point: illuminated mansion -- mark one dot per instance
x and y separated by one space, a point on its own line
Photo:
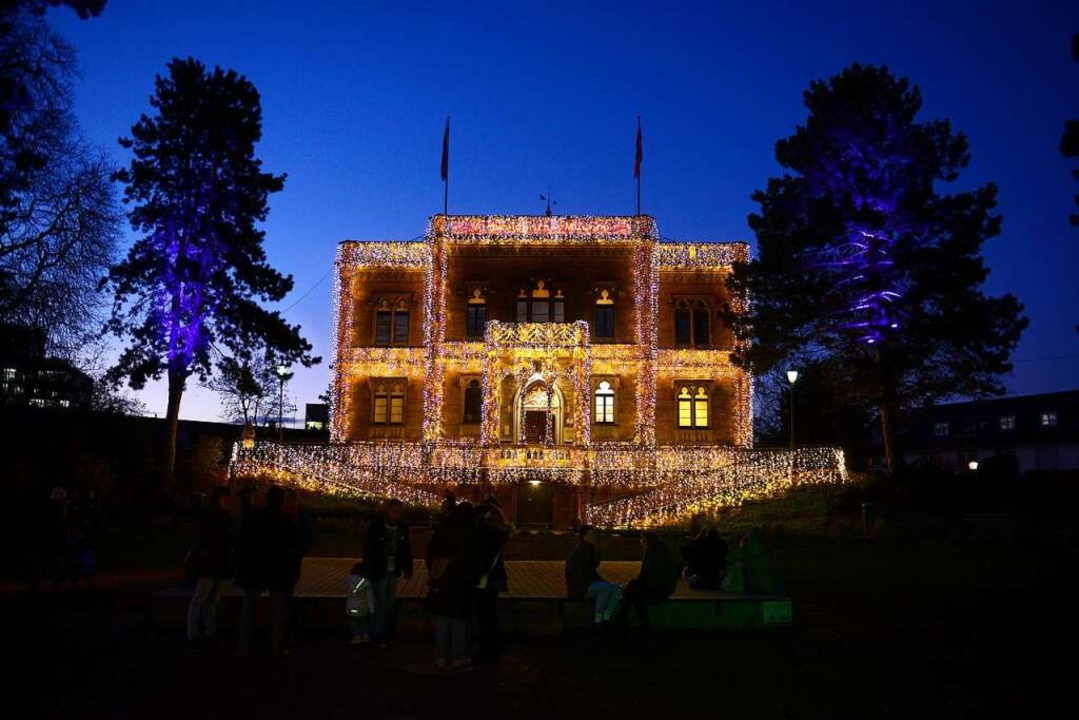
575 367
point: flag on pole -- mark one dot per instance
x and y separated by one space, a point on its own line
446 151
640 151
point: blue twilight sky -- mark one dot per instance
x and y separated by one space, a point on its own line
355 97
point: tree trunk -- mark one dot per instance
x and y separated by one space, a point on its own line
887 418
177 381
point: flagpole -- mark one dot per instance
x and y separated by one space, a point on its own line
446 169
637 164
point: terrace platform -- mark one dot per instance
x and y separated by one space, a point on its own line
535 604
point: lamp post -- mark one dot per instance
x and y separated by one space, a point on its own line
282 371
792 377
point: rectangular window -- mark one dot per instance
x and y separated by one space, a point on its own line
685 413
477 318
383 319
559 311
681 327
541 311
400 328
522 311
700 413
941 429
397 409
1007 422
380 410
1049 419
604 326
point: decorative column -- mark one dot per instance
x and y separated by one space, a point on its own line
434 306
646 282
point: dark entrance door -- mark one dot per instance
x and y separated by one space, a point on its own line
535 503
535 426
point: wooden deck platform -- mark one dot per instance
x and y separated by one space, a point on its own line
536 602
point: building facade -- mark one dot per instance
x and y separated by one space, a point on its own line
576 368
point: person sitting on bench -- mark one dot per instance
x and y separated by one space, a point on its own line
706 560
657 580
583 581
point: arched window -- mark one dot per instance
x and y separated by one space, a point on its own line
604 404
397 404
682 324
700 408
692 406
476 318
473 402
701 317
603 327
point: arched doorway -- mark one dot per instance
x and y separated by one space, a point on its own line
532 407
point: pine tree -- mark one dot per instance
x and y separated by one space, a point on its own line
196 275
863 262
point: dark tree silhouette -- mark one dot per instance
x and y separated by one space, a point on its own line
863 263
197 274
59 217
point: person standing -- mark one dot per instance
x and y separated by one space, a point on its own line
305 540
268 547
494 532
211 565
387 555
455 562
583 581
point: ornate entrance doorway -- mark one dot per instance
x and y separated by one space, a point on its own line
532 408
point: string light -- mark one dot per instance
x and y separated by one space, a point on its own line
660 483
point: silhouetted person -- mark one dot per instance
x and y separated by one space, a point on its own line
267 546
387 555
455 562
494 532
583 581
656 581
305 540
211 565
706 559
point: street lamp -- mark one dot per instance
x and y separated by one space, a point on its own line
792 377
972 465
248 436
282 371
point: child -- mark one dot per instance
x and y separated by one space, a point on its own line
359 604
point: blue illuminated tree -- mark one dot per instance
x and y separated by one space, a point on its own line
192 282
864 266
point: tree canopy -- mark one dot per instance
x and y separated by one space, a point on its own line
195 279
864 263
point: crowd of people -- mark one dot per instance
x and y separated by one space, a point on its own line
256 541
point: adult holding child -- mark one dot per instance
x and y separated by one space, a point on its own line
387 555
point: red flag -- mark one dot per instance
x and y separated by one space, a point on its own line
446 151
640 151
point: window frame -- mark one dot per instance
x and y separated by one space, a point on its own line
607 395
477 386
690 398
387 313
393 393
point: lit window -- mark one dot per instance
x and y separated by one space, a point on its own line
685 409
397 405
604 404
473 402
700 408
1007 422
1049 419
941 429
381 403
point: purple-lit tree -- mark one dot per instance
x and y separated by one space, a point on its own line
864 267
197 274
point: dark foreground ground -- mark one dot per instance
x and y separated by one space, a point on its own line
889 629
